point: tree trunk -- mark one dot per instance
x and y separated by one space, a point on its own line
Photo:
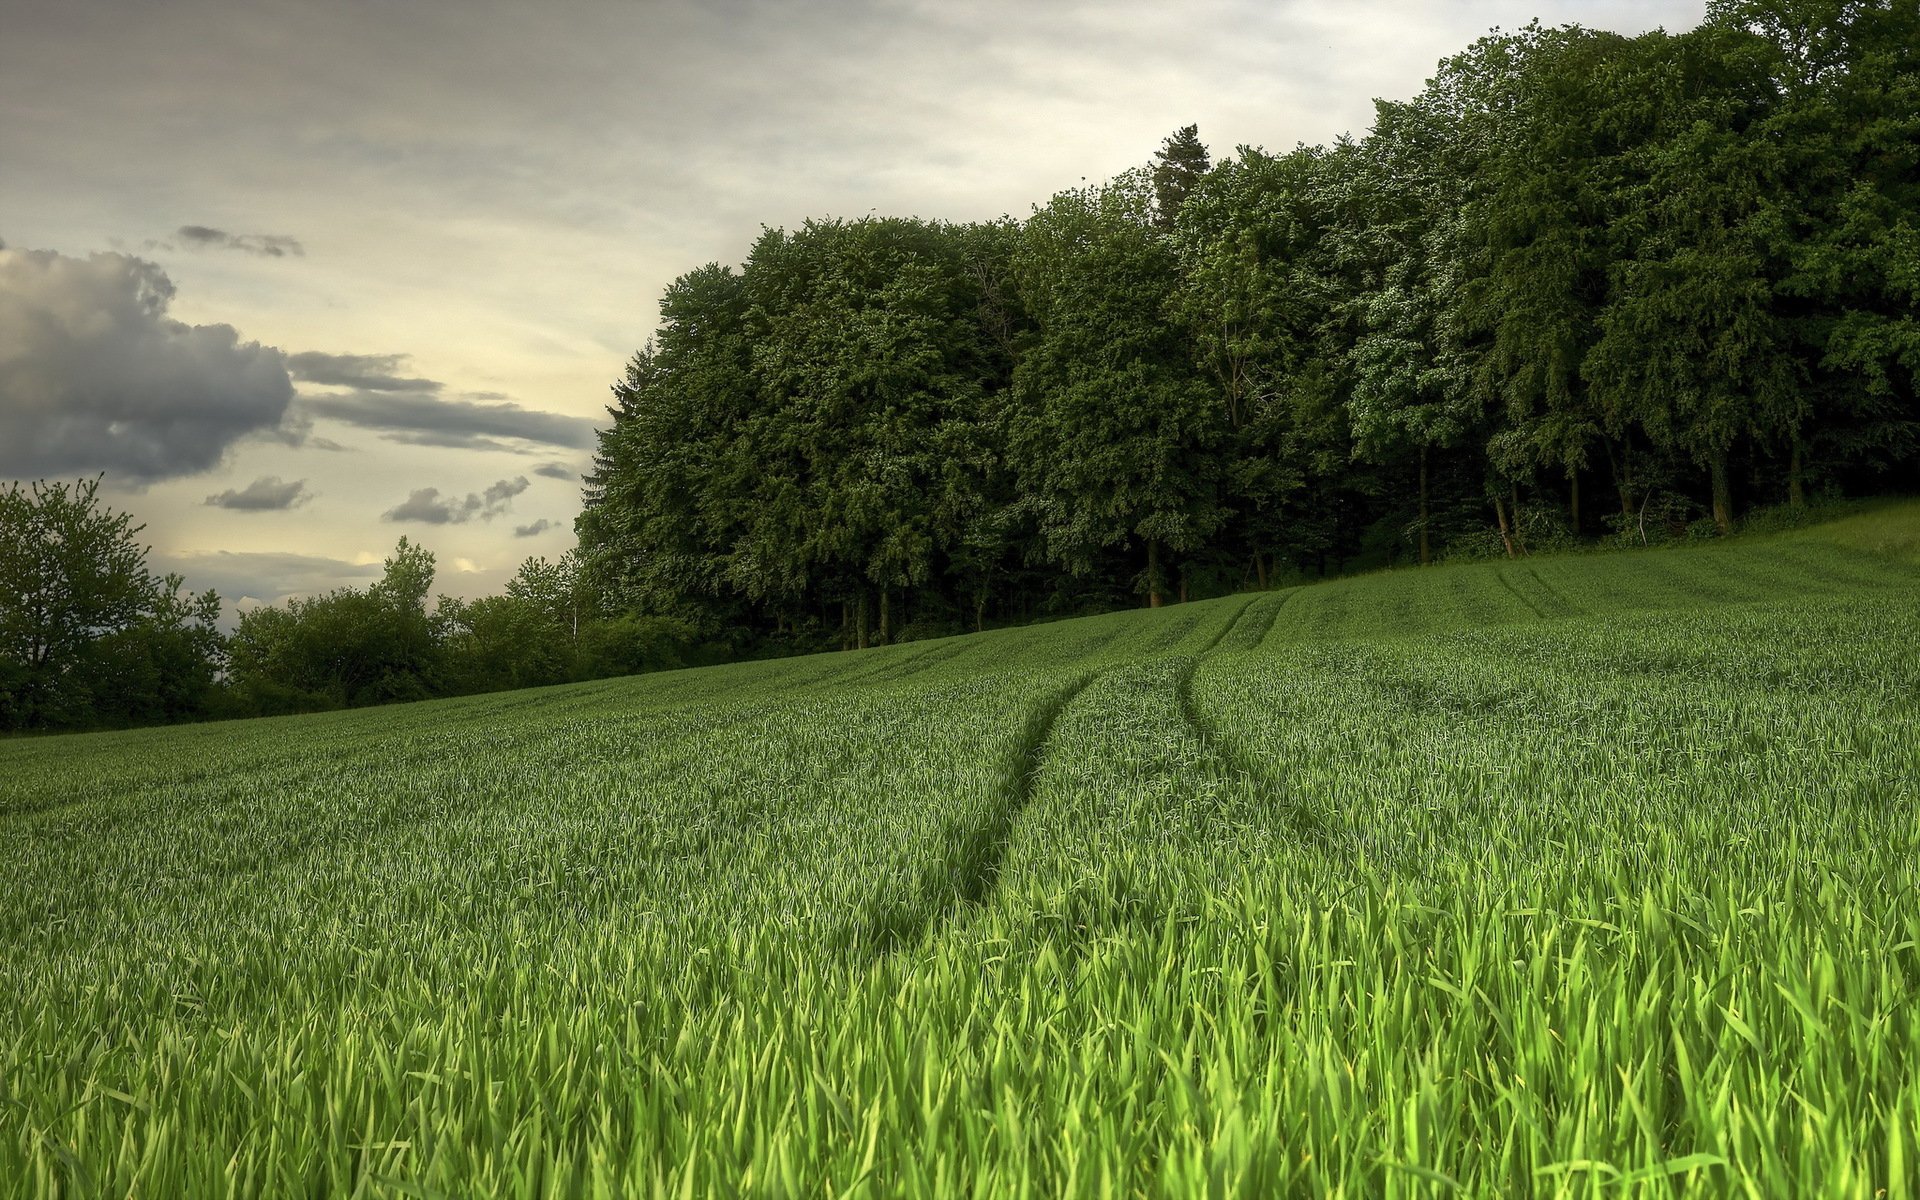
980 610
1796 487
1183 587
1621 482
1426 546
1519 538
1260 570
860 625
1506 533
1573 497
1722 491
1154 599
885 593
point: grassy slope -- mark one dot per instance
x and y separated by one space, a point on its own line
1584 876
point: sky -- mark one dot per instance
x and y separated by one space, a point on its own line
302 278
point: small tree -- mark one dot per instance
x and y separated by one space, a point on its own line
78 607
1178 167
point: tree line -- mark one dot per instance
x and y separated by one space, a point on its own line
91 638
1582 286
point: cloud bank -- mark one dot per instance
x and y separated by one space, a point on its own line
94 376
264 245
266 494
419 419
426 506
367 372
534 530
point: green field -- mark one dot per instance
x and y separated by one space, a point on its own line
1585 876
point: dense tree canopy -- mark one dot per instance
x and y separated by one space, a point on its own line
1580 286
1682 271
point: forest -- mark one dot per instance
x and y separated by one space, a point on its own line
1583 287
1582 290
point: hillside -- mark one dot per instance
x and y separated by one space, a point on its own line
1553 876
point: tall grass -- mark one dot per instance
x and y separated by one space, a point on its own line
1582 877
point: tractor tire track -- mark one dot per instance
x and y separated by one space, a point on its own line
984 849
1272 620
1500 573
1306 823
975 847
1229 627
903 666
1569 608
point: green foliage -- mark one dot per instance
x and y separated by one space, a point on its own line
344 647
87 633
1537 528
629 645
1568 876
1178 167
1666 270
1114 439
812 431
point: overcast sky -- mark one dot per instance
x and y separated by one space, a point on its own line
303 277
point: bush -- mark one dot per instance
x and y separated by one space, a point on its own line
1543 529
630 645
1540 529
1480 544
270 698
1664 517
1777 518
927 629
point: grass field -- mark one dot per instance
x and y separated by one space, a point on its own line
1586 876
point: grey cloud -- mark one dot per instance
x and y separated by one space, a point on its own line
265 245
94 376
506 489
426 506
430 420
534 530
554 470
266 494
297 431
452 441
368 372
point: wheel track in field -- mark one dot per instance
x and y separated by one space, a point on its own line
983 855
985 852
1554 593
1226 629
1272 619
899 667
965 877
1500 573
1307 824
982 850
